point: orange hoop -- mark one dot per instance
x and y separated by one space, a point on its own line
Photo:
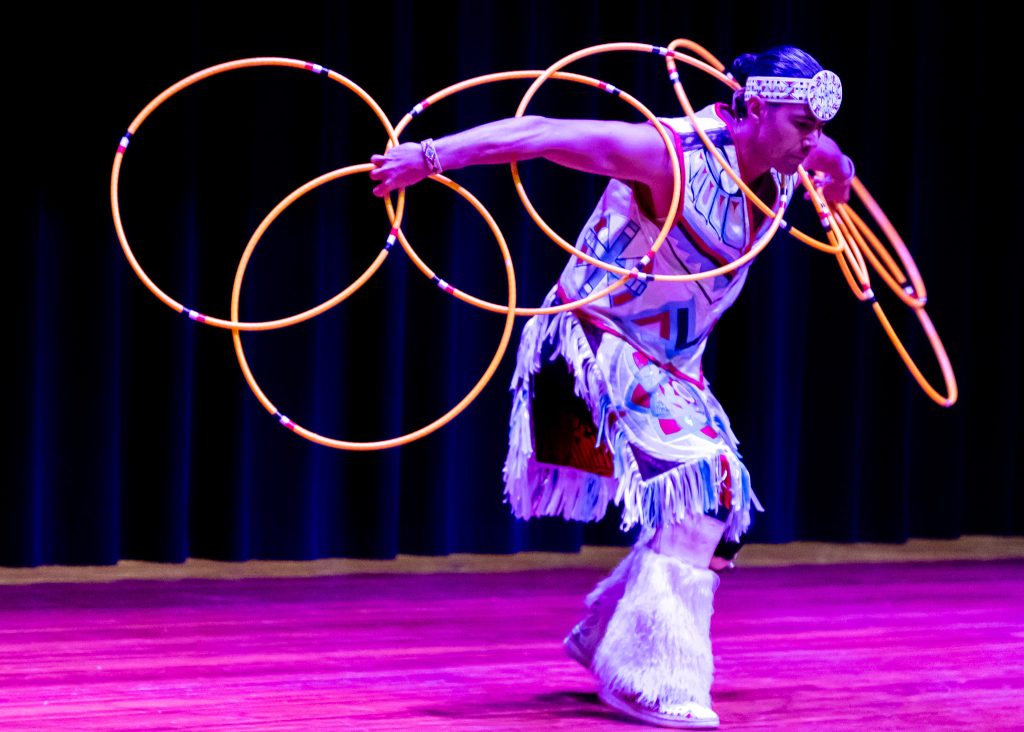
907 283
849 230
940 353
851 263
189 81
670 219
446 287
411 436
849 239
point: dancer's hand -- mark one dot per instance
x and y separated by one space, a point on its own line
837 191
837 169
401 166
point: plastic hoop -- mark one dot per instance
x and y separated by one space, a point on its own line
857 248
676 201
416 434
851 263
855 271
907 284
189 81
504 76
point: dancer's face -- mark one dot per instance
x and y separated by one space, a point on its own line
785 133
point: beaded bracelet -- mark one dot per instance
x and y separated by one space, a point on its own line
430 156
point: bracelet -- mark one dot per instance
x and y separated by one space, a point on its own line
430 156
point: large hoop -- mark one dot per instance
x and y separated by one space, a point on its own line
416 434
670 220
511 75
850 231
187 82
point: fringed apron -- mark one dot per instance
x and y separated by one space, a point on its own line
609 401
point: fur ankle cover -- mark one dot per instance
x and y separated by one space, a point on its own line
657 644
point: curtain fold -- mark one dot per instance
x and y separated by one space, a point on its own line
134 436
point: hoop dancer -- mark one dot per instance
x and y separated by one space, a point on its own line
610 402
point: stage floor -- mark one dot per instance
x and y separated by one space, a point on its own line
856 646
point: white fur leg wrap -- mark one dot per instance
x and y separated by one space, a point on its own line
657 644
610 589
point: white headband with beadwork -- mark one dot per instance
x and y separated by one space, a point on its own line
823 93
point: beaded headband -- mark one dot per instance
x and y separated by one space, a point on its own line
823 93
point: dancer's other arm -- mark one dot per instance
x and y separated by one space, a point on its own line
827 158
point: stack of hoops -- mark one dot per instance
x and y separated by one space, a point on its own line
852 241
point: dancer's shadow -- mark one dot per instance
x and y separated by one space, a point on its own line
560 705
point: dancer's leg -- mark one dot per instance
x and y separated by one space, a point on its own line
647 637
584 638
693 541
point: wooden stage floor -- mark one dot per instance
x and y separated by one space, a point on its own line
905 645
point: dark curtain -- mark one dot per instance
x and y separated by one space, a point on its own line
131 433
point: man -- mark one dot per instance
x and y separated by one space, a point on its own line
610 400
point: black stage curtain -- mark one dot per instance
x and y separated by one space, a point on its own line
132 434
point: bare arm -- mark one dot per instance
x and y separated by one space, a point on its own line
631 152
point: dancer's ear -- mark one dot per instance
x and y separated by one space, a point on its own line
756 108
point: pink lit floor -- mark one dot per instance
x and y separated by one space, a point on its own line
897 646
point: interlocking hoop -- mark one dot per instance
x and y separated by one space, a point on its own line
856 246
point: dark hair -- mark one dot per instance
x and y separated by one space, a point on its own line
778 61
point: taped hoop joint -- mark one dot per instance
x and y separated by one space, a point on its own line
443 285
285 422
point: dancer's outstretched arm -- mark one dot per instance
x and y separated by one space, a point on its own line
623 150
